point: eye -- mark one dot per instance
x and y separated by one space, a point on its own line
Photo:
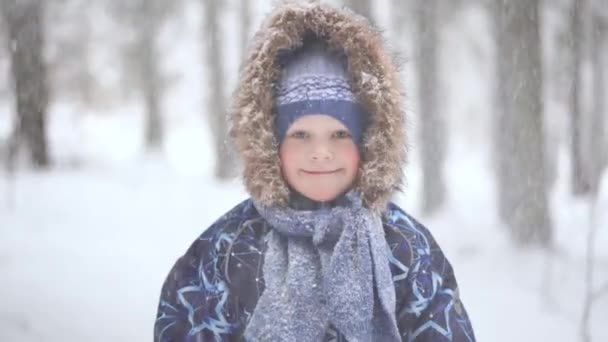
342 134
298 135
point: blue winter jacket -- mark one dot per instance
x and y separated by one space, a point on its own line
211 292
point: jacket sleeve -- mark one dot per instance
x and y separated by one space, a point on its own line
172 322
193 303
431 309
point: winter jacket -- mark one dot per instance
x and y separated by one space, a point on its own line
211 292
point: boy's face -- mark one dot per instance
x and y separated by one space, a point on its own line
318 157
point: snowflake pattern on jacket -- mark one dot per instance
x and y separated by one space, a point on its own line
211 291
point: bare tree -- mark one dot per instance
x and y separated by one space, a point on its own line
598 145
224 166
399 20
588 167
363 7
502 145
150 74
145 19
4 53
580 177
591 295
432 126
519 139
24 20
71 42
245 14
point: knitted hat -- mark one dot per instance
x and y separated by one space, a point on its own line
314 81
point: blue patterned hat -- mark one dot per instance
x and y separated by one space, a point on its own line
314 81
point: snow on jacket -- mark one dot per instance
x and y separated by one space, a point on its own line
211 292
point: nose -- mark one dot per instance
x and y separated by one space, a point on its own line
321 152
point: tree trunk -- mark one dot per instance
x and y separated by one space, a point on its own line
503 147
522 177
433 132
150 75
362 7
24 19
579 173
245 26
598 143
224 167
398 21
151 92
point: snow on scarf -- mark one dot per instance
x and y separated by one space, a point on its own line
326 266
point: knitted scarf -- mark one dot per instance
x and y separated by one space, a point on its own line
322 267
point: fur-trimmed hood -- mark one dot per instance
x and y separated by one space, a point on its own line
374 80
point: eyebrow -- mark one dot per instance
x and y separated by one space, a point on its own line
308 129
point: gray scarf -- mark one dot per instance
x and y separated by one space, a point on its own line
321 267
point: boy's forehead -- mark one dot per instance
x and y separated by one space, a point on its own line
317 121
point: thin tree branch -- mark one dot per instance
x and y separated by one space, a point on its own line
600 292
590 296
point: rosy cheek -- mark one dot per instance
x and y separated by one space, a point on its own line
351 154
287 156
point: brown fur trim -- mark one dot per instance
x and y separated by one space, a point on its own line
374 80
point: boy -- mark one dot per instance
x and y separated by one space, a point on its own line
317 253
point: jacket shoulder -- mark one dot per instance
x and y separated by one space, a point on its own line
223 230
411 243
399 221
238 231
196 297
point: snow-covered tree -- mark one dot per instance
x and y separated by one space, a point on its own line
432 142
245 16
224 166
143 21
363 7
577 37
24 21
519 129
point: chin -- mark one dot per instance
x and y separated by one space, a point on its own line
322 197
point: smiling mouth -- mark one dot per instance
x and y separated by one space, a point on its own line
320 172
